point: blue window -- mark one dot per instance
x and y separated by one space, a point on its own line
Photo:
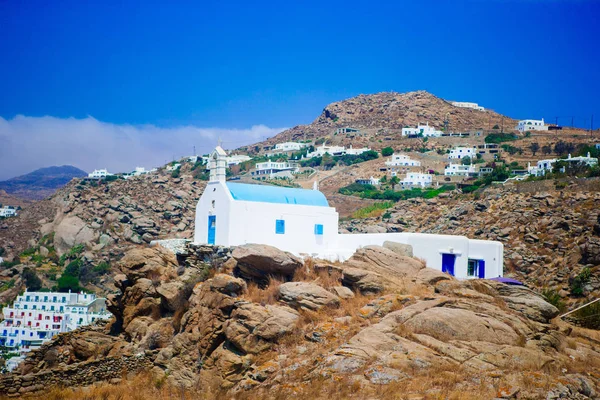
279 227
318 229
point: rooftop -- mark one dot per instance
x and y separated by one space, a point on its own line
275 194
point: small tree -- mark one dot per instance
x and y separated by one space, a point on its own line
466 160
383 180
534 147
394 181
32 280
387 151
546 149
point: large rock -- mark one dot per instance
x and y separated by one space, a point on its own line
71 231
254 328
307 295
385 262
147 262
399 248
366 282
259 262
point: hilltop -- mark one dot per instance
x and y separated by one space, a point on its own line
42 182
389 112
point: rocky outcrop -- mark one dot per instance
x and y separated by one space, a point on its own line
260 262
307 296
71 231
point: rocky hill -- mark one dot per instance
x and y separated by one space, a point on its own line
379 325
42 182
390 112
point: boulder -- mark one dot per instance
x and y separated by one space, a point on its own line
259 262
399 248
306 295
342 292
147 262
385 262
71 231
366 282
253 328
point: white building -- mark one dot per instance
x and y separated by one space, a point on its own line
289 146
99 174
401 160
139 171
8 211
173 167
272 169
544 166
355 152
460 152
424 130
466 104
300 221
371 181
416 179
36 317
460 170
230 160
335 151
532 125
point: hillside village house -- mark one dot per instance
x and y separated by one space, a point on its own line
272 169
544 166
233 159
370 181
289 146
335 151
402 160
532 125
139 171
466 104
36 317
99 174
461 152
424 130
8 211
173 167
416 179
302 222
341 131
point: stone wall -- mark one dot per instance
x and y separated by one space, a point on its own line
110 369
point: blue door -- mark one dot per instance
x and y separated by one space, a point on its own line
448 263
212 225
481 273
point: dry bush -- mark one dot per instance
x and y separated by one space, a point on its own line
266 295
321 277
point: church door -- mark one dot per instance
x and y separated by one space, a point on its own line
448 263
212 225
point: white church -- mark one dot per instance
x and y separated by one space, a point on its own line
302 222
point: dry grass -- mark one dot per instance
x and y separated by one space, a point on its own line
266 295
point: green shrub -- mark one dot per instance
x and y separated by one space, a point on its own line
372 210
577 284
102 268
32 280
554 298
68 282
175 173
387 151
500 137
29 252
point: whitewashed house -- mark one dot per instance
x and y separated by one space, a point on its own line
461 152
335 151
371 181
272 169
36 317
466 104
173 167
416 179
289 146
532 125
138 171
8 211
424 130
99 174
544 166
300 221
402 160
460 170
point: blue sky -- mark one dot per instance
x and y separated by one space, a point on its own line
230 64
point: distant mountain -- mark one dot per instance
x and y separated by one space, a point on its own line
42 182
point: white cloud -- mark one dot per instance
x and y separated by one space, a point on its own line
28 143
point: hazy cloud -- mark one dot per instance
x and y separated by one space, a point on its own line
28 143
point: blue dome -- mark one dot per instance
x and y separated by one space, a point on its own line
275 194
